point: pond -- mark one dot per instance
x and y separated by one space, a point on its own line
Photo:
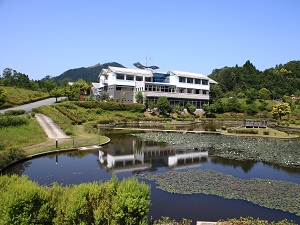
129 155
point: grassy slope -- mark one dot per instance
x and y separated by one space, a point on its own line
24 135
19 96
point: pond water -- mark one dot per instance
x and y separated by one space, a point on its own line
127 155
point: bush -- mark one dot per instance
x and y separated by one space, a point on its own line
112 202
6 121
9 155
246 131
266 132
14 112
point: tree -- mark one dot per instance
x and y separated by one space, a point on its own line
233 105
251 96
57 92
264 93
163 105
190 108
281 110
139 97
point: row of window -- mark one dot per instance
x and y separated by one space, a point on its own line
131 78
161 79
192 80
173 89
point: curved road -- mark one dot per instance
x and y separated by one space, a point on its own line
28 107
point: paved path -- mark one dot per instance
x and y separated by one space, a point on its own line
51 129
28 107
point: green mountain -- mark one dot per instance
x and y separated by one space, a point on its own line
89 74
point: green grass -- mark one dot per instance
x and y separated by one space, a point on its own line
23 135
19 96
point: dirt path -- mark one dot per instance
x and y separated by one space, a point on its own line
51 129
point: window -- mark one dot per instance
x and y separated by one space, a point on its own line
205 82
139 78
197 91
120 76
197 81
190 80
182 79
205 92
190 91
148 79
129 77
118 88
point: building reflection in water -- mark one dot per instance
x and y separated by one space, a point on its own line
141 156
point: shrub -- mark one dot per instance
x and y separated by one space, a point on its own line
14 112
266 132
10 154
6 121
246 131
112 202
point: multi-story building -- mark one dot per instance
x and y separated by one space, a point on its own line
179 87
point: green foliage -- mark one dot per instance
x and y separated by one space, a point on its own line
6 121
190 108
57 92
112 202
264 93
166 220
163 105
251 109
9 155
281 110
19 96
3 95
139 97
14 112
251 95
233 105
278 81
113 106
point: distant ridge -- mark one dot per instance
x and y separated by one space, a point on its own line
89 74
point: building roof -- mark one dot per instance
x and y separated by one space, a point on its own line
96 85
127 71
187 74
191 75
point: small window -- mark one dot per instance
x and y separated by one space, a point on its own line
182 79
197 91
205 82
139 78
197 81
120 76
190 80
129 77
205 92
148 79
118 88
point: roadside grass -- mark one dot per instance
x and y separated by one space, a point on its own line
19 96
23 135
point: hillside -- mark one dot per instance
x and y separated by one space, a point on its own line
20 96
89 74
283 79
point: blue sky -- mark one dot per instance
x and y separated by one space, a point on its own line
48 37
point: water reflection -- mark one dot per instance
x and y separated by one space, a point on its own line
245 165
139 156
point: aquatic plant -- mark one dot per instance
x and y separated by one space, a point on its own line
281 152
273 194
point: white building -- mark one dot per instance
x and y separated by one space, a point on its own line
179 87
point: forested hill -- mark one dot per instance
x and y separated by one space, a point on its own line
86 73
280 80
